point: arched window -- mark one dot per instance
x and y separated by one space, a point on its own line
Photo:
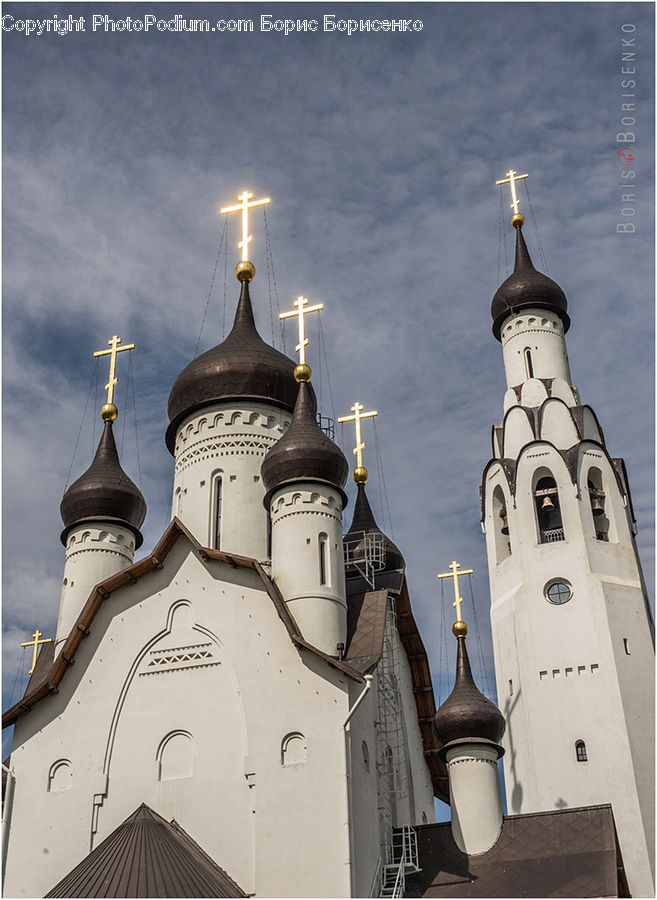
529 365
501 526
366 756
548 510
217 512
597 500
580 751
322 541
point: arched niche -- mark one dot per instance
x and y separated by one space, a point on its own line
175 756
60 776
533 392
293 749
600 507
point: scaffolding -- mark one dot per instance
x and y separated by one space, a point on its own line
398 845
364 553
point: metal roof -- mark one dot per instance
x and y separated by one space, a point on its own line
561 853
146 856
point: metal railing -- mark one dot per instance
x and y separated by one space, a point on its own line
552 535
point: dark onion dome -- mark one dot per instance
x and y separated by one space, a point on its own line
242 366
467 714
104 492
364 520
304 453
526 288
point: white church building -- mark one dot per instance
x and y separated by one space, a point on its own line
247 709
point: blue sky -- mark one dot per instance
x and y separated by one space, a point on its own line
380 152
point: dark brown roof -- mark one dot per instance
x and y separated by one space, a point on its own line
366 621
562 853
304 453
146 856
104 492
526 288
51 676
242 366
467 713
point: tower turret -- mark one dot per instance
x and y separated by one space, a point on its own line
227 408
469 728
304 474
570 621
102 513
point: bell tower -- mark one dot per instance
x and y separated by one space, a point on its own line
572 631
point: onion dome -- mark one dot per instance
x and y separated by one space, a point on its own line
104 492
526 288
304 453
364 521
242 366
467 715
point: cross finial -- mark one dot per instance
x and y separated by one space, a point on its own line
302 371
245 270
360 472
109 411
459 627
517 220
35 643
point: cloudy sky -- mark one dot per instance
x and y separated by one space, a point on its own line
380 152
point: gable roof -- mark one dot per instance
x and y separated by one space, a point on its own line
49 676
146 856
561 853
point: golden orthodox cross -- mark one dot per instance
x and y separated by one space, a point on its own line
301 310
357 416
35 643
114 349
455 575
511 179
245 206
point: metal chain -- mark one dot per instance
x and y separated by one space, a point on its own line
269 254
536 231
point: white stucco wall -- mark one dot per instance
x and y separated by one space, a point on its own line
226 440
256 749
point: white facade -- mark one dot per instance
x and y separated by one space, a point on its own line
217 485
307 560
572 639
94 551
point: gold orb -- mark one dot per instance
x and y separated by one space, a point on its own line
109 412
459 629
302 372
245 271
517 220
360 474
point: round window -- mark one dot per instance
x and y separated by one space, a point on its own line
558 592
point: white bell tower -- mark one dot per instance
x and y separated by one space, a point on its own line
573 635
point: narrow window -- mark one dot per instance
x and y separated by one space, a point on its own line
510 687
218 503
529 366
580 750
323 559
626 646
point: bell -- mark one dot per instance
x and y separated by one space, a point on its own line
547 504
597 506
505 521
